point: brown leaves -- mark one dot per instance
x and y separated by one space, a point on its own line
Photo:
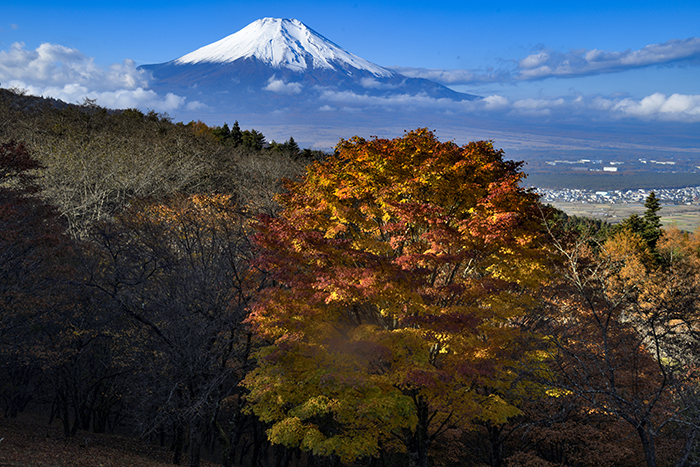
17 165
622 347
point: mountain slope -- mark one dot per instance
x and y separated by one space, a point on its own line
281 43
274 63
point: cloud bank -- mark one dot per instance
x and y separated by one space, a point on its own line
64 73
547 63
656 107
453 77
582 62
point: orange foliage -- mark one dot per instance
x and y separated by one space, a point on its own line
398 267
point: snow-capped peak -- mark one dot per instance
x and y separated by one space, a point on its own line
281 43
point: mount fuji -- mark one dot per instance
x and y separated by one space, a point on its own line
282 65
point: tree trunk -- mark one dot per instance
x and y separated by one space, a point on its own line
229 441
495 446
420 443
177 444
258 440
195 442
281 455
687 449
648 446
65 416
419 456
420 439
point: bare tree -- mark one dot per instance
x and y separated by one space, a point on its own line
623 335
180 272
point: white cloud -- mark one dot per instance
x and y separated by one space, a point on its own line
542 107
602 104
547 63
137 98
582 62
196 105
676 107
453 77
117 99
56 65
280 87
395 102
495 102
534 60
656 107
67 74
371 83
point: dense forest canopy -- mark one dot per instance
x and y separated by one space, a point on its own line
398 302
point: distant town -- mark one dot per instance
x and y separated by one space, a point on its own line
616 179
676 196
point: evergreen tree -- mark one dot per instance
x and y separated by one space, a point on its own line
236 135
292 146
634 223
253 139
647 226
652 220
223 134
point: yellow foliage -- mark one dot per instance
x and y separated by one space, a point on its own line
399 268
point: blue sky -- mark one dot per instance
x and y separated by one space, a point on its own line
630 62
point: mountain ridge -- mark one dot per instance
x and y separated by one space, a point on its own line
278 63
281 43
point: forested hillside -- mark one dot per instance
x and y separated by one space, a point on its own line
398 302
95 160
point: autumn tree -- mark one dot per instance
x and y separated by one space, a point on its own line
400 269
676 294
625 334
557 429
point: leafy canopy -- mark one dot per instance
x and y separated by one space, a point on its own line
399 268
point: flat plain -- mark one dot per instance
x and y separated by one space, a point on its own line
684 217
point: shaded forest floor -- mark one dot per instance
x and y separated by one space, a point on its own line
29 442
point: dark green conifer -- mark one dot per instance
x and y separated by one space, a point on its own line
292 146
647 226
236 136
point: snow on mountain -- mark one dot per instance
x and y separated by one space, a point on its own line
282 43
282 68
